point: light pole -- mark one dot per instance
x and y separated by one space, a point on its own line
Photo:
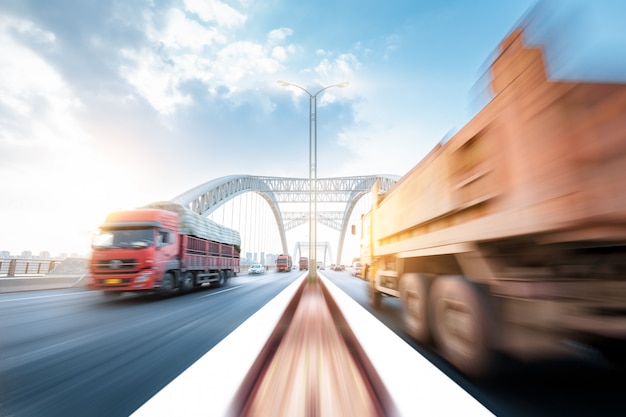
312 171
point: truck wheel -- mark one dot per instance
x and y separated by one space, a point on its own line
461 325
187 284
374 296
414 296
167 285
221 280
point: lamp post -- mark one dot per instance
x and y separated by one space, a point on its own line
312 171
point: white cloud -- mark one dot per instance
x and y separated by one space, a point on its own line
215 11
155 80
27 29
185 49
241 58
32 91
343 66
277 36
181 32
279 53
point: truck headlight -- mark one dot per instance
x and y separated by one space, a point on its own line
143 277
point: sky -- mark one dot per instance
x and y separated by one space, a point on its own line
109 104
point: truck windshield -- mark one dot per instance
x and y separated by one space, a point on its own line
123 238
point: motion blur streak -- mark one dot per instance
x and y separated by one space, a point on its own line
312 372
510 237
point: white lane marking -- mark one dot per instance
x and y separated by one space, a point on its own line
46 296
219 292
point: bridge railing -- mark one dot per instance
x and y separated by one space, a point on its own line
17 266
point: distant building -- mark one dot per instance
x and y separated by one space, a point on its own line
271 259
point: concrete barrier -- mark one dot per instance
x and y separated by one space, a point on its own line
40 283
71 272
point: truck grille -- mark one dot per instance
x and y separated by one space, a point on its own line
109 265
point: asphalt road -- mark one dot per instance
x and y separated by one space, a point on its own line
586 387
76 353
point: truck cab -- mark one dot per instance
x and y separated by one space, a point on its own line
133 250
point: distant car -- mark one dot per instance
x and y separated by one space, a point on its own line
256 269
356 269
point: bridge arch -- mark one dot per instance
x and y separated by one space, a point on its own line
300 247
209 196
206 198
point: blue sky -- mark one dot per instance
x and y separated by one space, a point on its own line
113 104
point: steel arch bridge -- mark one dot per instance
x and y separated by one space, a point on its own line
206 198
299 250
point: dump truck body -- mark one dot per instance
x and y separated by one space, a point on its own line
511 236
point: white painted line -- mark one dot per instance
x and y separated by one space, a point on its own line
415 385
219 292
207 387
36 297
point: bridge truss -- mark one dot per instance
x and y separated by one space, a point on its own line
343 191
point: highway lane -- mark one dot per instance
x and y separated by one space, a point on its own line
75 352
570 388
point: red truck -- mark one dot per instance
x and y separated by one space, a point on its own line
303 263
283 263
161 247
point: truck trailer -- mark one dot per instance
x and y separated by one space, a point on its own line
508 240
161 247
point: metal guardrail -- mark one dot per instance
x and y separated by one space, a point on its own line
16 266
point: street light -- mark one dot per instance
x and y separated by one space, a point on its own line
312 171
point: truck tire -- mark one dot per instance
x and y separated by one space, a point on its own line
167 285
221 280
187 283
461 325
374 296
414 295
